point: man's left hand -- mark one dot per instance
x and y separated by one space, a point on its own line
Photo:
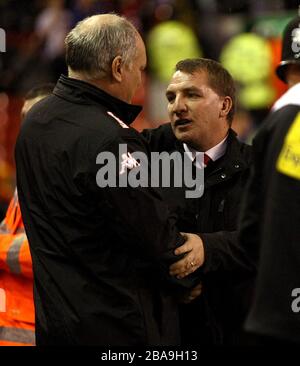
192 294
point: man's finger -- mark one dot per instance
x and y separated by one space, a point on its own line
183 271
182 265
184 248
186 273
196 292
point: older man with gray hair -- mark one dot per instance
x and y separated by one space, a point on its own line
100 252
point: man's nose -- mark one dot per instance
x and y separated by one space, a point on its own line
179 105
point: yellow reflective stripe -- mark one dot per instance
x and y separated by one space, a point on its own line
20 335
13 253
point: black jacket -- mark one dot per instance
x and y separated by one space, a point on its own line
270 224
100 255
216 317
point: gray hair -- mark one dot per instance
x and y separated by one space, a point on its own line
95 41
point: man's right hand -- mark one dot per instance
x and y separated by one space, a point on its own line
193 259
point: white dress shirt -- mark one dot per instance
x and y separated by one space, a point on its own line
215 153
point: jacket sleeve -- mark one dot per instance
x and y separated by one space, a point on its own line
223 252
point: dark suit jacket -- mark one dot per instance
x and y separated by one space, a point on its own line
217 316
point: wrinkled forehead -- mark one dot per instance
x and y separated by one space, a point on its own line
184 80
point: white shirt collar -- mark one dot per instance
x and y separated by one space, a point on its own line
291 96
215 153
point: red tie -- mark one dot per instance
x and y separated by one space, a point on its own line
207 159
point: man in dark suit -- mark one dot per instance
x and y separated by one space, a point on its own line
201 99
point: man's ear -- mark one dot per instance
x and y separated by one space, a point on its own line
116 68
226 106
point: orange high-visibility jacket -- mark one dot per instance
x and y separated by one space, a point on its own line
16 281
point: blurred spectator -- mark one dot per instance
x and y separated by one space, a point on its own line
26 68
16 302
52 26
83 9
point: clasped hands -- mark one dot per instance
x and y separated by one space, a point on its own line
193 251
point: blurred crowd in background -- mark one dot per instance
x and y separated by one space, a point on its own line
242 34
